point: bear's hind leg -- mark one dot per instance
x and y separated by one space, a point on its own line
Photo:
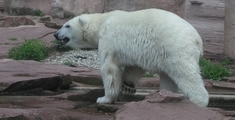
188 79
111 76
130 77
167 83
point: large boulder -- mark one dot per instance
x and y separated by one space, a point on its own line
165 105
208 19
229 29
20 6
14 21
176 6
70 8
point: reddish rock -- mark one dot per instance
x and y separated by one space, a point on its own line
24 75
230 79
21 33
208 19
35 102
70 8
164 96
43 5
47 114
229 40
149 82
15 21
224 112
224 85
167 106
176 6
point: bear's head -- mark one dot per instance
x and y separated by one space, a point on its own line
74 33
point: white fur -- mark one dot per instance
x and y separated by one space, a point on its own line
147 40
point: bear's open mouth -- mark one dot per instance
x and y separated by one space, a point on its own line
65 40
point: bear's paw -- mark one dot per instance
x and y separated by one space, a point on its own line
104 100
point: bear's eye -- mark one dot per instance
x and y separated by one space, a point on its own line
67 26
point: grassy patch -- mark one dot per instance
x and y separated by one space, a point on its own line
227 61
147 74
32 49
38 13
213 71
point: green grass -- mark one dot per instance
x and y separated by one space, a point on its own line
213 71
38 13
227 61
147 74
13 39
32 49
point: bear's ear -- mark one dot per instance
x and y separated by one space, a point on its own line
83 20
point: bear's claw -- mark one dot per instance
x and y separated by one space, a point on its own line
128 89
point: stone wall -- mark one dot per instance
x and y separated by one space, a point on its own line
229 42
176 6
70 8
43 5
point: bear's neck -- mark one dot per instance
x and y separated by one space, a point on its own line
93 28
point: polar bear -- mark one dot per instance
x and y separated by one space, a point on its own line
150 40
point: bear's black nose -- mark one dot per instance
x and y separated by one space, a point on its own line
56 35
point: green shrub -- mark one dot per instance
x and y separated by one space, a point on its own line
32 49
38 13
227 61
213 71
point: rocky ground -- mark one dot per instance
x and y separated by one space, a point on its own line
31 90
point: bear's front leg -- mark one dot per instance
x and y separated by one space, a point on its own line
111 76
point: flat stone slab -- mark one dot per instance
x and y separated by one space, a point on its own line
224 85
47 114
165 105
23 75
